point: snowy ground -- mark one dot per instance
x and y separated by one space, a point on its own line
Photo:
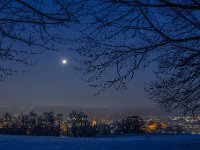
144 142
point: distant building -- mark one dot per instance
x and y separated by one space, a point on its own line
94 122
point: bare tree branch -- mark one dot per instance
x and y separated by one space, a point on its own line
129 35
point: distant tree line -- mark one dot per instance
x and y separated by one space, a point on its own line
77 124
30 124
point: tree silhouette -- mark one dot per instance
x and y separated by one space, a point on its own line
133 124
118 38
80 125
29 28
124 36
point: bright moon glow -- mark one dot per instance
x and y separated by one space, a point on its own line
64 61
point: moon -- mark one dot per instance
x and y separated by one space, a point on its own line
65 61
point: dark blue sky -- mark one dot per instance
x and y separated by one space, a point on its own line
51 83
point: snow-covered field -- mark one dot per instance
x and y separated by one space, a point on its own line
138 142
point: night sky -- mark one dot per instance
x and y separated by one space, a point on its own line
49 82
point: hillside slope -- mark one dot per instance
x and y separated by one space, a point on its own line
151 142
